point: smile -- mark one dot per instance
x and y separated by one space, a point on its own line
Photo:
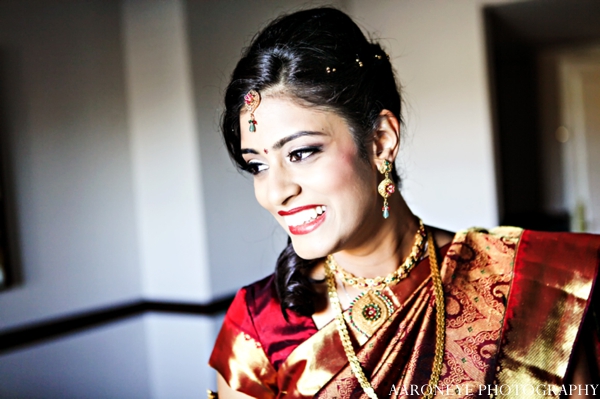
303 220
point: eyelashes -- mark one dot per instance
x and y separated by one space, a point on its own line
255 167
302 153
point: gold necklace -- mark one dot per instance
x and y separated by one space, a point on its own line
371 308
440 330
379 282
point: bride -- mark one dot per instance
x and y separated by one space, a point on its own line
366 300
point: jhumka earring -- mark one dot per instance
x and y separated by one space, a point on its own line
386 187
252 100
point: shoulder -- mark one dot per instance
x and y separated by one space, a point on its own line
572 249
492 242
572 256
256 310
508 234
249 300
239 355
262 291
562 241
502 248
477 252
481 236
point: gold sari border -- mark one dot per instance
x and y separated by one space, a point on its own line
552 283
312 364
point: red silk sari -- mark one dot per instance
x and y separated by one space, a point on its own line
515 303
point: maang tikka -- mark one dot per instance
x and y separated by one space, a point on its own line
252 100
386 188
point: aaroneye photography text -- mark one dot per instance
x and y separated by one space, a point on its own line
505 389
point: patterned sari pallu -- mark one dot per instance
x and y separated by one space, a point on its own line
515 301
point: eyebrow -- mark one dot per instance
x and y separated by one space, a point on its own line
279 144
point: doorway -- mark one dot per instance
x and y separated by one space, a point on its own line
579 133
546 137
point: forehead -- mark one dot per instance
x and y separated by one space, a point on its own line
280 116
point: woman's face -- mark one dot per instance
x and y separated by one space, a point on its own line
309 175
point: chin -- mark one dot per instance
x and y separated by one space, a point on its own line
309 252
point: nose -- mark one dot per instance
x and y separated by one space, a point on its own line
282 186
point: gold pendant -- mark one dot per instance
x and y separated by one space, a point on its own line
369 311
386 188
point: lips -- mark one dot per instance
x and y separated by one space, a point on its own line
303 220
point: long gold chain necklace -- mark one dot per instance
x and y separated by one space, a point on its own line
439 333
369 310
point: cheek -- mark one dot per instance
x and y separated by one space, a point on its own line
260 192
350 174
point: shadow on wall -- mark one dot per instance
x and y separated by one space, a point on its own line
10 265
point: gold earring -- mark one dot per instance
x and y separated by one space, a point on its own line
386 187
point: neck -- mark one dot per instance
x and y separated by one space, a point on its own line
389 242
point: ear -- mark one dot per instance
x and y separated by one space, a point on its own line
386 138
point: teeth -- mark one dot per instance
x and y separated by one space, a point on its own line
304 216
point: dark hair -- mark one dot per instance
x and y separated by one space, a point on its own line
321 57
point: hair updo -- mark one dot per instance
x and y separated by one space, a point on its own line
322 58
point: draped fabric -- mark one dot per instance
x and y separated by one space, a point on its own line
550 295
514 305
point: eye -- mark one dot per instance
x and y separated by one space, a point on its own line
303 153
255 167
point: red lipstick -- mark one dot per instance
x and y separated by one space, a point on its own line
308 227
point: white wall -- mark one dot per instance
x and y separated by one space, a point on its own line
108 362
178 350
164 144
109 191
69 155
173 229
